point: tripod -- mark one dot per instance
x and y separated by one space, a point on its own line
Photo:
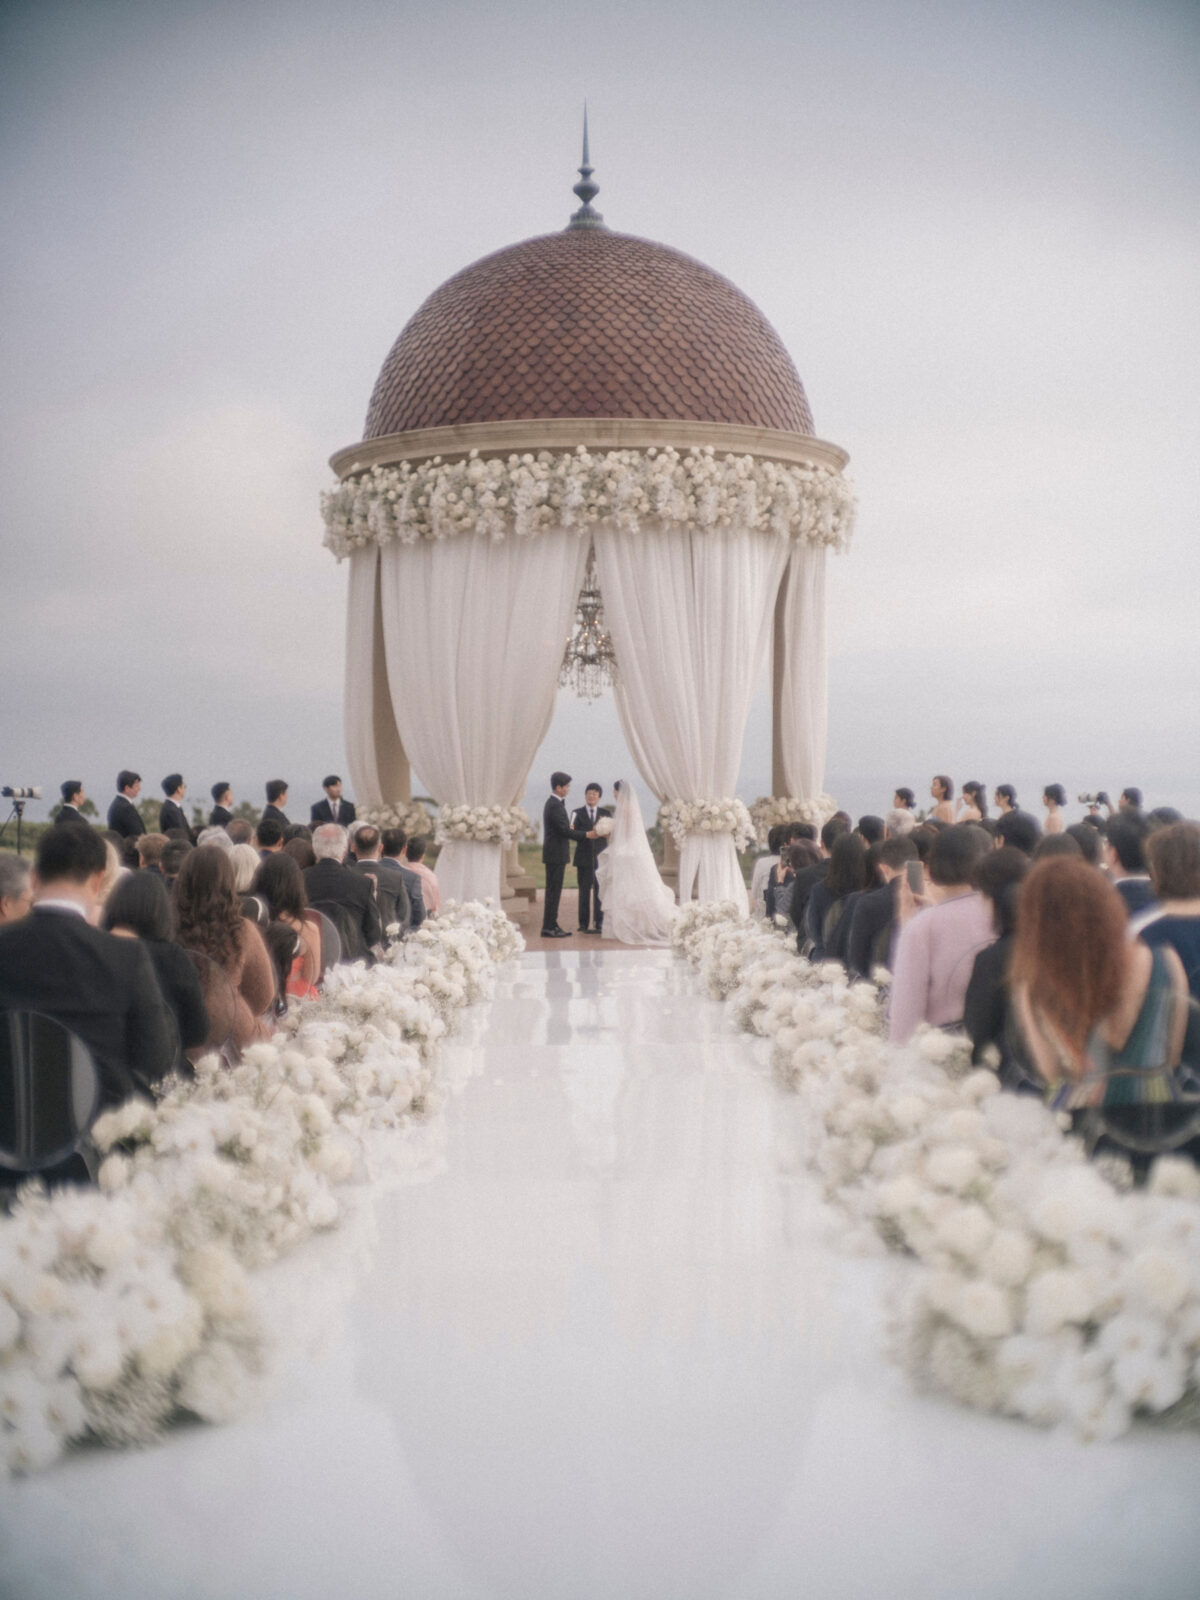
18 811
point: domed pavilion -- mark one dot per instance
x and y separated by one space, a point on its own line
585 408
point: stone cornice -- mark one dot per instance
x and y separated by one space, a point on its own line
595 433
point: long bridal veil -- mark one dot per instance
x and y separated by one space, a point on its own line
638 906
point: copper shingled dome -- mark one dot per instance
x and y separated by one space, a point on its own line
587 323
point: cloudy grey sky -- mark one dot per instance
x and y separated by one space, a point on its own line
975 226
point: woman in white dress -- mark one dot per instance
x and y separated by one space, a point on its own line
638 906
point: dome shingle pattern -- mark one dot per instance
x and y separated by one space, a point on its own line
587 323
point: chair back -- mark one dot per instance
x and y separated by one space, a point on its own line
331 943
49 1091
353 946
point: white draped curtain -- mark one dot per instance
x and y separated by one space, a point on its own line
474 633
379 770
802 676
690 616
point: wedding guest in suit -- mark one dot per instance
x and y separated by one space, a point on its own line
873 915
333 887
222 794
557 834
390 879
138 908
123 815
236 974
240 830
171 817
333 808
72 799
414 860
102 988
16 890
277 794
587 853
268 836
393 854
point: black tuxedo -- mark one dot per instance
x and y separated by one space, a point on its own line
123 818
68 813
272 813
219 816
101 987
557 834
323 812
171 816
587 852
328 883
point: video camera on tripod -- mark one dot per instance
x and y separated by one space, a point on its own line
20 796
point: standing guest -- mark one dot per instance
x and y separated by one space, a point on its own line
171 817
101 988
587 854
329 884
1054 798
873 915
236 975
138 908
268 836
1097 1010
845 875
1125 859
391 882
938 943
985 1009
222 796
72 798
16 889
277 795
1174 857
414 859
240 830
123 817
1019 829
280 883
150 849
942 792
175 853
762 871
1006 798
333 808
557 834
973 806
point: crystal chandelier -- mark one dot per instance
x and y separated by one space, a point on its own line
589 665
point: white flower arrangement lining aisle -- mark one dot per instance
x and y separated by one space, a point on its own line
1043 1287
125 1306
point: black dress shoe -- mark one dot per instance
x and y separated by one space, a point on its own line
562 933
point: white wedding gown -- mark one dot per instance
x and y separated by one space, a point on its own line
638 906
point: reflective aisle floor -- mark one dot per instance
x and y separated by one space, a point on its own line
596 1347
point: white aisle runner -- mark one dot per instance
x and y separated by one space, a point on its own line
602 1352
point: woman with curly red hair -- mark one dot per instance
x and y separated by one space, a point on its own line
1103 1017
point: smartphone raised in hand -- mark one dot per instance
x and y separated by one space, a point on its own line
916 877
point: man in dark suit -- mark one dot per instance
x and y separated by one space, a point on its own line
277 793
587 852
101 987
72 799
123 815
333 808
391 879
873 915
557 834
171 817
392 860
330 884
220 814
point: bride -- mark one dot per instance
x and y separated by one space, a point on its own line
638 906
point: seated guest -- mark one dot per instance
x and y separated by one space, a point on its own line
280 883
938 942
809 876
985 1010
240 830
150 849
332 886
898 823
1056 844
297 830
277 794
762 871
301 851
1163 816
393 856
127 849
171 818
333 808
1097 1010
1017 829
138 908
114 871
870 830
216 837
414 860
391 882
845 874
16 890
101 988
268 836
222 796
175 853
942 793
123 815
1054 798
236 974
1125 859
1088 840
1174 858
72 799
872 916
777 894
245 861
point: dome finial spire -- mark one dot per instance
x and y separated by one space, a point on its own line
586 216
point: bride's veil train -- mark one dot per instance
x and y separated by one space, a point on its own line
638 906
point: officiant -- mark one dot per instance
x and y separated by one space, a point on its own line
587 850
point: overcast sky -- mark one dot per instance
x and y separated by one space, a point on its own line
976 228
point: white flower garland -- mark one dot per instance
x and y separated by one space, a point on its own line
526 494
771 811
410 815
125 1306
681 817
1041 1289
483 824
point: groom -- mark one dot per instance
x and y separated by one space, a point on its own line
557 834
586 853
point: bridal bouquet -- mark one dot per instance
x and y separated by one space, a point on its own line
604 827
682 817
770 811
483 824
410 815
